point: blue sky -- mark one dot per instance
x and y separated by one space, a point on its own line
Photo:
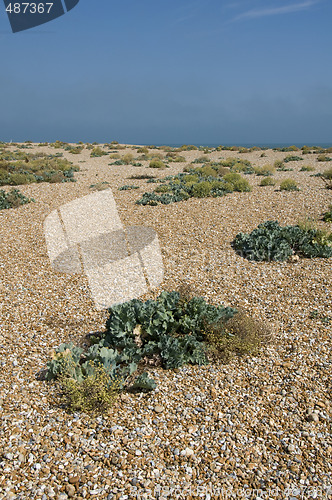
175 71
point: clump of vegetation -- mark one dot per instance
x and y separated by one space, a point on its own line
142 176
315 314
289 185
186 147
271 242
323 158
126 187
143 150
26 169
58 144
292 158
200 182
97 152
75 150
157 163
307 168
202 159
241 335
100 186
268 181
327 217
326 176
179 159
286 149
266 170
242 167
127 158
95 393
13 199
177 328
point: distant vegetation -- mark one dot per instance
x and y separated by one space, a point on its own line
200 182
21 168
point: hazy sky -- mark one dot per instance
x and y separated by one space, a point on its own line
171 71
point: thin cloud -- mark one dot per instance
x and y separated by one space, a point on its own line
273 11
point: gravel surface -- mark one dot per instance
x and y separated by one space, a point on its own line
217 431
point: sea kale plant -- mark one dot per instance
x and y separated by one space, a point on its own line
269 241
177 328
13 199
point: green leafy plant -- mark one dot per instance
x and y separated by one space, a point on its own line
13 199
327 217
292 158
127 187
288 185
270 242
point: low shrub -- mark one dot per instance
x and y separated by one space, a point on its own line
95 393
96 152
240 335
13 199
127 158
239 183
268 181
307 168
156 163
141 176
266 170
323 158
201 189
289 185
278 164
58 144
271 242
75 150
242 167
326 176
179 159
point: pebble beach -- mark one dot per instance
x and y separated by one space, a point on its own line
256 427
